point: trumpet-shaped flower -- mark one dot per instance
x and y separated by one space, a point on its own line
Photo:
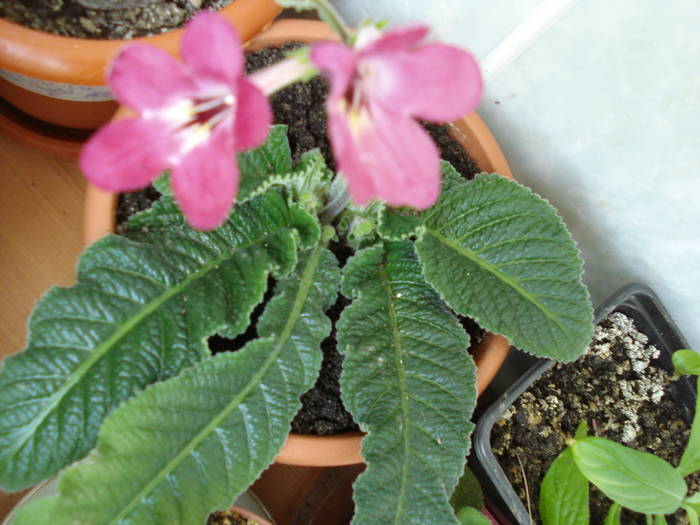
378 89
192 116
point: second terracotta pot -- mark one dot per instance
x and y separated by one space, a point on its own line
475 137
61 80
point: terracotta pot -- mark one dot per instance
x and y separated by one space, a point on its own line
60 80
472 133
247 504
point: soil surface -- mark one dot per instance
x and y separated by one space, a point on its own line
300 107
230 517
619 388
110 19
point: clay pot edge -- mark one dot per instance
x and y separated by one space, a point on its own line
42 55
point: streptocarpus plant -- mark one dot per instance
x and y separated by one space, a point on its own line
635 480
117 391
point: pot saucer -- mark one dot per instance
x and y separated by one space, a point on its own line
56 141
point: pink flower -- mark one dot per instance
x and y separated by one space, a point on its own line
192 117
378 88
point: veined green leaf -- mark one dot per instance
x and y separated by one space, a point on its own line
189 445
400 223
637 480
564 493
409 382
500 254
273 157
162 184
310 179
141 311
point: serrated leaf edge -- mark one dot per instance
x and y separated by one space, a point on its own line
579 260
305 285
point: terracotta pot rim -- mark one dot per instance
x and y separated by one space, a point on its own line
38 54
470 131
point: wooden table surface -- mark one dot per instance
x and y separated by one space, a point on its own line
41 207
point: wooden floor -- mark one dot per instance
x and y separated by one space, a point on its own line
41 207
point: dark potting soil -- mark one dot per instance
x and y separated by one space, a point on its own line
618 388
300 107
110 19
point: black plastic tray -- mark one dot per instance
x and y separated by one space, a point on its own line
636 301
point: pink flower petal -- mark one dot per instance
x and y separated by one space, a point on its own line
127 154
337 61
205 181
395 40
348 158
253 116
144 77
389 157
432 82
211 49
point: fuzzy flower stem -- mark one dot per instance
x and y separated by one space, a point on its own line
339 200
280 75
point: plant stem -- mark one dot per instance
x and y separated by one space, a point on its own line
330 16
339 200
296 68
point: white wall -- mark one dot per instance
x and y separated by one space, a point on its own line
600 114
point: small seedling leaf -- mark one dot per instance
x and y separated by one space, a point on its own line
686 362
637 480
564 493
468 492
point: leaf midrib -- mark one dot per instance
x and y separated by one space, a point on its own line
301 296
397 344
488 267
123 330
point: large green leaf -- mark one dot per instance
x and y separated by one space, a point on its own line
141 311
273 157
400 223
409 382
564 493
500 254
637 480
189 445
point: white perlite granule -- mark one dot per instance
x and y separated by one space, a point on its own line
648 384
